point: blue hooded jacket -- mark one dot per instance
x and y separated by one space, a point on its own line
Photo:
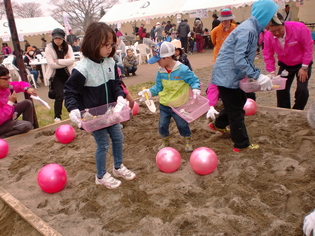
237 54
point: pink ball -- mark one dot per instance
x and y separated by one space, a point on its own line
65 133
52 178
250 107
168 159
135 109
203 160
4 148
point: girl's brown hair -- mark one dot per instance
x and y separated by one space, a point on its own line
97 34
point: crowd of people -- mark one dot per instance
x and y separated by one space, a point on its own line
96 79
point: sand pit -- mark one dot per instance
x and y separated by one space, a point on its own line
262 192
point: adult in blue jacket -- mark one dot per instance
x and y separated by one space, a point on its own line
235 61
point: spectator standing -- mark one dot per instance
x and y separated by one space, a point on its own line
44 44
198 30
293 44
130 63
26 44
168 26
183 30
220 33
118 33
75 47
71 37
215 21
158 31
152 33
140 32
10 110
121 46
286 14
191 42
60 60
6 50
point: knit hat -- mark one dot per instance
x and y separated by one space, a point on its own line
58 33
162 50
226 14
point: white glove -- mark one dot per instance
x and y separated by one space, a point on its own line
211 113
141 93
309 224
196 92
121 102
265 82
75 117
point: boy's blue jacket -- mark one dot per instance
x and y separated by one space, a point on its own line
92 84
170 86
237 54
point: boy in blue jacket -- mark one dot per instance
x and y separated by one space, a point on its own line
173 80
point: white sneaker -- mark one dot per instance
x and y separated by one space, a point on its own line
108 181
124 173
57 120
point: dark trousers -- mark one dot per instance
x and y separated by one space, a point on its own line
131 69
184 42
301 92
13 126
233 114
58 84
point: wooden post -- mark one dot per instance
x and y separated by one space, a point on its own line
18 52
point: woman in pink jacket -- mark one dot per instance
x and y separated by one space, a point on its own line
293 44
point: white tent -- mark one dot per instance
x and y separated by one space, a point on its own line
212 5
141 10
29 27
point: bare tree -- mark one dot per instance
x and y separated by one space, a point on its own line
28 10
2 9
80 12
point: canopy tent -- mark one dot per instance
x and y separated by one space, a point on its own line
29 26
211 5
141 10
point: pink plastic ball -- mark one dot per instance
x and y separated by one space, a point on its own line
168 159
203 160
65 133
135 109
52 178
250 107
4 148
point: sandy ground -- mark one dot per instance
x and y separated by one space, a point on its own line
262 192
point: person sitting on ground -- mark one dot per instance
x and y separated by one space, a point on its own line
30 55
166 36
10 110
130 63
180 53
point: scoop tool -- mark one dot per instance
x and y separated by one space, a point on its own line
150 104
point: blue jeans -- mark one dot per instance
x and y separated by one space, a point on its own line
102 141
165 118
35 73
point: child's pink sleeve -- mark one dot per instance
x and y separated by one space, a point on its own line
125 89
213 94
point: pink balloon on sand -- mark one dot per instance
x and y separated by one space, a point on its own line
52 178
250 107
203 160
168 159
4 148
65 133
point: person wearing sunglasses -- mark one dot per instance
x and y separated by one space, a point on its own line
10 109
